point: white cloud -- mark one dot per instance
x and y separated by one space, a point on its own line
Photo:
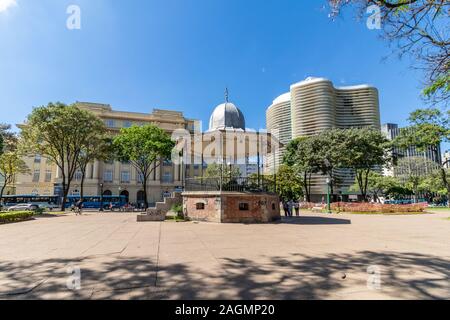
6 4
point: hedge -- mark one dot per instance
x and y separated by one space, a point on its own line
16 216
378 207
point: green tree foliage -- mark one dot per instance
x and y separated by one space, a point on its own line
11 162
289 183
382 186
364 150
145 148
429 128
59 132
412 171
300 155
331 154
419 28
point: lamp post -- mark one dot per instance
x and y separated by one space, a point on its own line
328 195
101 196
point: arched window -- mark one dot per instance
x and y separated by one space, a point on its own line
140 196
126 194
107 193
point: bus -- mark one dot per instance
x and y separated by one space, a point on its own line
45 202
94 202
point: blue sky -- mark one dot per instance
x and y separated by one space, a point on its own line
181 54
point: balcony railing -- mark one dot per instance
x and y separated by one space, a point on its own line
239 184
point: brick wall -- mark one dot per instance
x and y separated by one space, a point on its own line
225 207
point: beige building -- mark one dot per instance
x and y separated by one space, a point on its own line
315 105
116 177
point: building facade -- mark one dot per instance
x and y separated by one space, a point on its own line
315 105
117 178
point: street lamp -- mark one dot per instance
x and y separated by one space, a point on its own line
328 195
101 197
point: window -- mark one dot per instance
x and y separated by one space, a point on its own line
167 177
36 175
48 175
243 206
125 177
273 206
140 177
167 163
37 158
127 124
110 123
200 206
78 175
108 176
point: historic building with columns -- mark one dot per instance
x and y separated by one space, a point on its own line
116 178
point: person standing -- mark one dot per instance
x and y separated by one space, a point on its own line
297 208
285 208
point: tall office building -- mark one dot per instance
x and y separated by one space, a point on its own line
116 177
315 105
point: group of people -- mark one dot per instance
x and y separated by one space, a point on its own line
289 206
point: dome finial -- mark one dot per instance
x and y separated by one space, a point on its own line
226 94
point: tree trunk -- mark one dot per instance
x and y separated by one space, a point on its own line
1 194
145 193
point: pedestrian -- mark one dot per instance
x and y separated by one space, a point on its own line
297 208
285 208
291 207
79 207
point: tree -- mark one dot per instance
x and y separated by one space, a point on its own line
11 162
300 155
379 185
419 28
289 183
429 128
143 147
331 154
59 132
412 171
98 147
364 151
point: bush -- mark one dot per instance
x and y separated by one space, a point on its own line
9 217
178 209
378 207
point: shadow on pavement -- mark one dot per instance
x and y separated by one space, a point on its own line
299 276
311 220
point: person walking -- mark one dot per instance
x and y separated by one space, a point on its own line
79 207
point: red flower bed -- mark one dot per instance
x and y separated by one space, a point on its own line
378 207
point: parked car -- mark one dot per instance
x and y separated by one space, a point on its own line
24 207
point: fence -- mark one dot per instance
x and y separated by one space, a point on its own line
239 184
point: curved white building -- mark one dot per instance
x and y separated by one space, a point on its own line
278 117
315 105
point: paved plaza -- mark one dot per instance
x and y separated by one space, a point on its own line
316 256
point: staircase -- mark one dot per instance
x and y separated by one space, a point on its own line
160 210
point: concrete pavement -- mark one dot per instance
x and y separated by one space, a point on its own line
316 256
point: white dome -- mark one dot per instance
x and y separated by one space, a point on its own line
226 116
